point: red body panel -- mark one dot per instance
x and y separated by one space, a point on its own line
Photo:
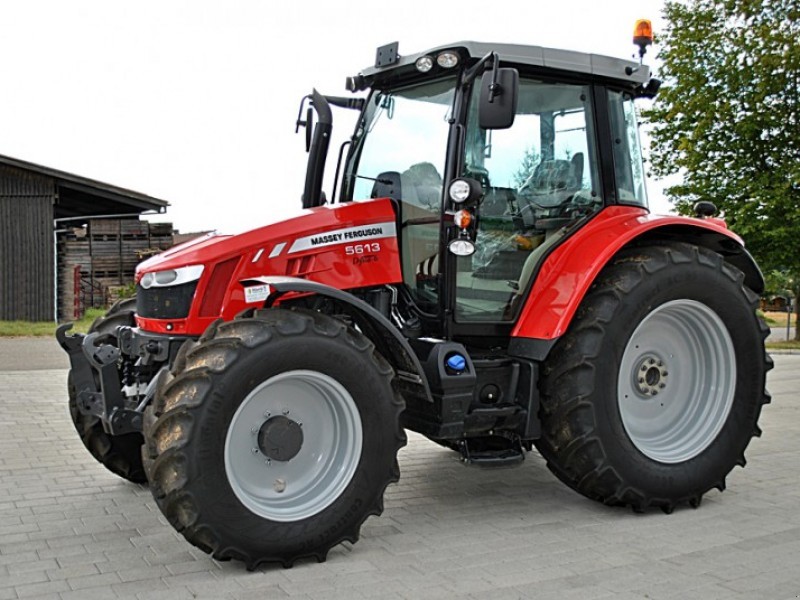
346 246
567 273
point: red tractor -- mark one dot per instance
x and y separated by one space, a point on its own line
486 272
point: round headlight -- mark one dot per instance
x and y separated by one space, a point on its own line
447 60
459 191
424 64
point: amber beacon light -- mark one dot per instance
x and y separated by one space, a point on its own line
643 35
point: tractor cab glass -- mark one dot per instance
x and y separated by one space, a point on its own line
628 167
539 176
399 151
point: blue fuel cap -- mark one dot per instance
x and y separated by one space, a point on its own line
456 362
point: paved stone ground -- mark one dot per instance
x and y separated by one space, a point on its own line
69 529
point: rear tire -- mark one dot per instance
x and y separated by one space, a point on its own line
120 454
275 439
652 396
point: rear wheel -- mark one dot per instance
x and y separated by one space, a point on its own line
652 396
275 439
120 454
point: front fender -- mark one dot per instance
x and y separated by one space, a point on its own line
387 339
569 271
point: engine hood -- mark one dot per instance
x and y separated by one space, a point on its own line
346 246
214 247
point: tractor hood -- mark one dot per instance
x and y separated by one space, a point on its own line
346 246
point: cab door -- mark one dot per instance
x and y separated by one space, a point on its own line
539 178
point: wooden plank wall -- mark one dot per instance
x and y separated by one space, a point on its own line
26 245
106 252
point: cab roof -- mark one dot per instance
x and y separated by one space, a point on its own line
626 72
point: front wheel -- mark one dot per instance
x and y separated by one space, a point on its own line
276 438
654 393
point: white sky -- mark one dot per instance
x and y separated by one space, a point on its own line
194 102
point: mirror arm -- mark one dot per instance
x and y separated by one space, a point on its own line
494 88
300 123
489 61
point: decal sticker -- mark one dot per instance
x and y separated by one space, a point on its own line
362 248
369 258
257 293
276 251
338 236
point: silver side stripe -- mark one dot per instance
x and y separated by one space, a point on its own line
362 233
276 251
258 255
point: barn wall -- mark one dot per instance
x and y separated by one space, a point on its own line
26 245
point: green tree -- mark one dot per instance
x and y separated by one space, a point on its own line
728 119
529 163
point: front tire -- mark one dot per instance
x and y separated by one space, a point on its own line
275 439
654 393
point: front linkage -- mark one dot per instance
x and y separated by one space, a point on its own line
113 373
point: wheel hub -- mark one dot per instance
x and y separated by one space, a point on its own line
280 438
651 376
677 381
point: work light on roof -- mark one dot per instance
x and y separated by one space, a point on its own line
447 59
424 64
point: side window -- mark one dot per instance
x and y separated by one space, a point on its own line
628 164
539 176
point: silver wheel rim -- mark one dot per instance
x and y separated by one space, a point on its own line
677 381
309 482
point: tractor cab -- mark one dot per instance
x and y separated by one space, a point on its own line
494 155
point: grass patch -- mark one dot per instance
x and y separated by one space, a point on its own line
790 345
44 329
777 319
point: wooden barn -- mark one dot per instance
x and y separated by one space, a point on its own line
64 239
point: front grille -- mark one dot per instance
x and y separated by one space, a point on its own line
171 302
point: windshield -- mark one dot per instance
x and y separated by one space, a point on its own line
403 131
399 150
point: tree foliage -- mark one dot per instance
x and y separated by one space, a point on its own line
728 119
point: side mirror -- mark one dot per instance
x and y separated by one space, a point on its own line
498 100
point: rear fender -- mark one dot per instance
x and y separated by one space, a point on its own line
386 337
566 275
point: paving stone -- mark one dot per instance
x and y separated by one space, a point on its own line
70 529
40 589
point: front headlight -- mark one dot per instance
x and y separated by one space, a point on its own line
171 277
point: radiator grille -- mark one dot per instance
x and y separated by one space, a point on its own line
171 302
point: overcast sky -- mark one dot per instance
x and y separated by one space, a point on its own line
194 102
